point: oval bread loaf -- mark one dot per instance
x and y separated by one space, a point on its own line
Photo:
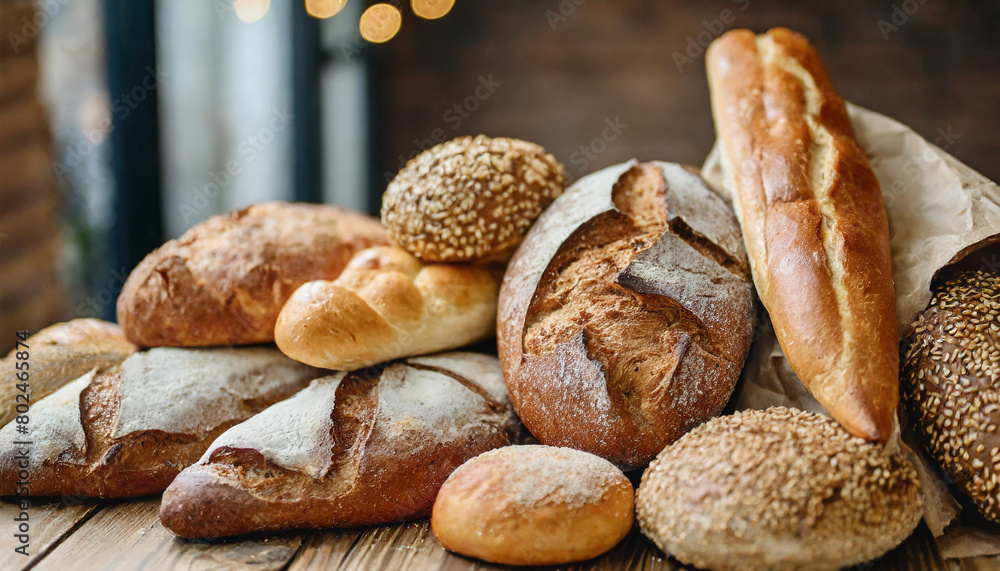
626 315
59 354
225 280
533 505
777 489
352 449
951 384
470 199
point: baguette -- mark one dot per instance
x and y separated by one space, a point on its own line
813 220
57 355
127 430
387 305
224 281
352 449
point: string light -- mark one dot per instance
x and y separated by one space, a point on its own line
431 9
324 8
251 10
380 23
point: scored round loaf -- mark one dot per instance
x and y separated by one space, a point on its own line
773 489
626 314
951 384
533 505
59 354
225 280
470 199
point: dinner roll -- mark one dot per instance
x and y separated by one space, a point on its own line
777 489
950 384
470 199
533 505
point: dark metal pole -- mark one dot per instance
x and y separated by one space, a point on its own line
133 79
306 62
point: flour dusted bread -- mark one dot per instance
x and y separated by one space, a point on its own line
352 449
626 315
533 505
127 430
777 489
59 354
813 220
225 280
386 305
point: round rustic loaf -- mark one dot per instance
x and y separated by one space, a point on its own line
626 314
225 280
777 489
470 199
951 384
533 505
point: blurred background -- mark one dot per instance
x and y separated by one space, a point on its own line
124 122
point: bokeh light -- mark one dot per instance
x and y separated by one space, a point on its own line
324 8
380 23
431 9
251 10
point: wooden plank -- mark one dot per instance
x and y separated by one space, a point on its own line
129 535
50 522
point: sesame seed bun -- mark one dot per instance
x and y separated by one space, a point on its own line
470 199
951 384
777 489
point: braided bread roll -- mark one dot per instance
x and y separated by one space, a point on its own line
387 305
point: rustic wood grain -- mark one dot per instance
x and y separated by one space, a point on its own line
50 522
129 536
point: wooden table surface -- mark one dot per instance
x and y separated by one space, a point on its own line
79 536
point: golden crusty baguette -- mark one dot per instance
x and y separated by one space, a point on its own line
387 305
813 221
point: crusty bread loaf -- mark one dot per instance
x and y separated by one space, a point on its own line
387 305
777 489
352 449
813 221
127 430
533 505
59 354
626 315
470 199
225 280
950 384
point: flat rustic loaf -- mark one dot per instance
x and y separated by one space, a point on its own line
59 354
225 280
627 313
128 430
353 449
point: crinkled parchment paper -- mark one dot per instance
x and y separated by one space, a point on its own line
940 211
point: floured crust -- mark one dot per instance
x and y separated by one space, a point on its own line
533 505
59 354
777 489
225 280
813 220
352 449
127 430
387 305
627 313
